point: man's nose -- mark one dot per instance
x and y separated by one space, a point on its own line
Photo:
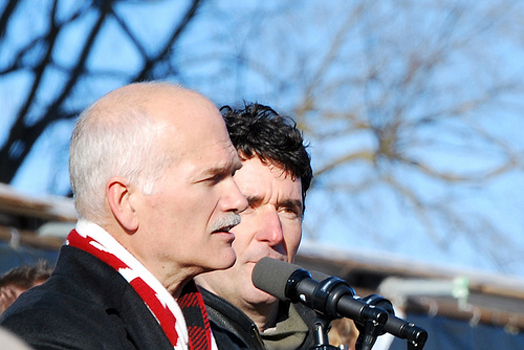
234 200
270 229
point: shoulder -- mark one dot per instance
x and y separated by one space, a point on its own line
78 307
59 321
53 328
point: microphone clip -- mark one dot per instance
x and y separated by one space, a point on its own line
332 294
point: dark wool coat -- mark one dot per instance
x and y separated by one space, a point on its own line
234 330
86 305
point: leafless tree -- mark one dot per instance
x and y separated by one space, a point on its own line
56 74
411 109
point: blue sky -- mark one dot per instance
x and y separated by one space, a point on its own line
283 47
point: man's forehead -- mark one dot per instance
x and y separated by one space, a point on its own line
254 180
274 166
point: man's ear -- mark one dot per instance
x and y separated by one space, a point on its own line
119 198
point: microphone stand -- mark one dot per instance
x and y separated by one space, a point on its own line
327 296
319 330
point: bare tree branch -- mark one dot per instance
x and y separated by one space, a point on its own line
9 9
147 70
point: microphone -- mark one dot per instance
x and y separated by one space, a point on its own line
289 282
331 297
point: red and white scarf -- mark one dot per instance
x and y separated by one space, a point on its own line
170 314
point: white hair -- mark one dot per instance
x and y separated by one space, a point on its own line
109 142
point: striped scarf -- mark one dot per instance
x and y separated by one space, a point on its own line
171 316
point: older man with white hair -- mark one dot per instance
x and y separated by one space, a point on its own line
151 167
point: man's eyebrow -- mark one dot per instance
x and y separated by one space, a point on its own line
227 167
217 170
254 199
292 203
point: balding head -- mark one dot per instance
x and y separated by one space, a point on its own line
123 134
155 99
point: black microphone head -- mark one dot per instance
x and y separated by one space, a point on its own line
271 276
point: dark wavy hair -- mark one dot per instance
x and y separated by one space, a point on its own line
26 276
257 130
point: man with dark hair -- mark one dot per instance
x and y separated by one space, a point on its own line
274 177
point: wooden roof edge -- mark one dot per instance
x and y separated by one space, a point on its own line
30 238
474 314
57 208
348 260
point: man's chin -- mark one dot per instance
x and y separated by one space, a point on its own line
260 297
225 260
